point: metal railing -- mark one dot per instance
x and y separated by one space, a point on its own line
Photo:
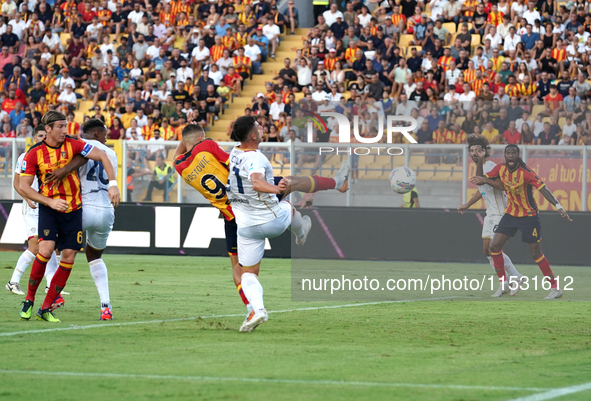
546 152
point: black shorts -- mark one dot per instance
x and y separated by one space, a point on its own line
530 227
63 228
231 236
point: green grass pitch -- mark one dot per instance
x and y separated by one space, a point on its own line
431 350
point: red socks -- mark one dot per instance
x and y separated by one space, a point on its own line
546 270
37 272
499 263
239 286
58 282
321 183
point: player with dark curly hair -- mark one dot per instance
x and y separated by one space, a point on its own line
521 213
495 201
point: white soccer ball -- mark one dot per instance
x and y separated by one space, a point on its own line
402 180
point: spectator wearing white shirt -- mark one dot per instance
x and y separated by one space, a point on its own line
8 7
272 32
184 72
200 54
107 45
531 15
154 50
523 120
68 98
38 26
277 107
64 80
136 15
52 40
503 29
18 26
94 29
511 40
253 51
568 130
495 39
141 118
216 74
452 74
467 98
330 16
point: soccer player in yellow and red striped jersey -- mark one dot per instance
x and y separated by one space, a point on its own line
521 214
204 165
60 207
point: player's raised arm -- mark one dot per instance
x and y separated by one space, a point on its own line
475 198
259 184
552 199
100 156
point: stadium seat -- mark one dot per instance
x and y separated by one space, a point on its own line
405 40
475 41
450 26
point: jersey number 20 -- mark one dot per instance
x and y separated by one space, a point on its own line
97 172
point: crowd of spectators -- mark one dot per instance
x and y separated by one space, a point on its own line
140 66
515 72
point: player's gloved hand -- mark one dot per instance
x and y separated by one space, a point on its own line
114 195
56 177
58 204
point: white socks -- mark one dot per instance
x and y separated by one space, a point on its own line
297 224
22 265
253 290
51 268
509 267
98 271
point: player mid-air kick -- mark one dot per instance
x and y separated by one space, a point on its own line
518 181
204 165
496 202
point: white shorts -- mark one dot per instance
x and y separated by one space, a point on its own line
98 223
251 240
489 226
31 223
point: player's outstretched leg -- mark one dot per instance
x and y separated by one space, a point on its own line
26 258
315 183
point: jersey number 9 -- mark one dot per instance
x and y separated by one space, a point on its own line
218 189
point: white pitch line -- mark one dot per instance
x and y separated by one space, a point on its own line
95 326
558 392
269 381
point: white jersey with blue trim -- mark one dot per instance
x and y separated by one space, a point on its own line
18 170
249 206
495 199
94 180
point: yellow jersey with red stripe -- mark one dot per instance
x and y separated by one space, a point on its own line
444 62
73 128
217 51
42 159
244 60
329 63
470 3
527 90
512 90
229 42
443 136
519 184
495 18
470 75
559 54
205 168
350 55
104 13
167 19
398 18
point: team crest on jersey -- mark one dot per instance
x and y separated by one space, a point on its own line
46 232
64 154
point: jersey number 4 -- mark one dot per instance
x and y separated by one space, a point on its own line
97 172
